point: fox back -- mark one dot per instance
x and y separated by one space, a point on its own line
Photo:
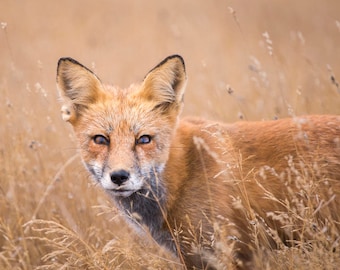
197 185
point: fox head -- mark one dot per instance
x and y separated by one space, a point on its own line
124 134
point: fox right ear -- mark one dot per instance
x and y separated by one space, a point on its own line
78 86
165 84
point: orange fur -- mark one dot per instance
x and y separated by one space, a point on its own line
196 183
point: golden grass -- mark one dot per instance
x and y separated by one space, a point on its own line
258 60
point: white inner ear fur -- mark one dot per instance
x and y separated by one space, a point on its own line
67 112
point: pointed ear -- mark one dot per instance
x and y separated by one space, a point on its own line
165 84
78 86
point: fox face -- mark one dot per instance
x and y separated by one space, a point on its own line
124 134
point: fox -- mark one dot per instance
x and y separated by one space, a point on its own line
195 184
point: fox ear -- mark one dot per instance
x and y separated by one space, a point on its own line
165 84
78 87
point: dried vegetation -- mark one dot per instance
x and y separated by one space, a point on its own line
258 60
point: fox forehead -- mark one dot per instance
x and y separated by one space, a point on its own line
120 110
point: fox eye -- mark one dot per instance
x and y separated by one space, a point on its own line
100 139
144 139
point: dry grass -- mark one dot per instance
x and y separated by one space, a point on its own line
309 218
258 60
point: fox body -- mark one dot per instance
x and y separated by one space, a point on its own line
193 183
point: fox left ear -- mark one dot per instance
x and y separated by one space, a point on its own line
79 87
165 84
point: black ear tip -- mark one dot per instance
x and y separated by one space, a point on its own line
175 56
68 59
64 60
169 58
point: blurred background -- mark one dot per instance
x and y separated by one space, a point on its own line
246 60
273 55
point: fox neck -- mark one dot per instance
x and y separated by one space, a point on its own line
147 208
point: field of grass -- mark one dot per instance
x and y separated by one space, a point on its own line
246 60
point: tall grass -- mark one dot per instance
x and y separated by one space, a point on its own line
54 217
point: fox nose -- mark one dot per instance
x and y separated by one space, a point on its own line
119 177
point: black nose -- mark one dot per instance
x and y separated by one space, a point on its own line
119 177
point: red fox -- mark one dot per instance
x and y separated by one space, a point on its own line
195 184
